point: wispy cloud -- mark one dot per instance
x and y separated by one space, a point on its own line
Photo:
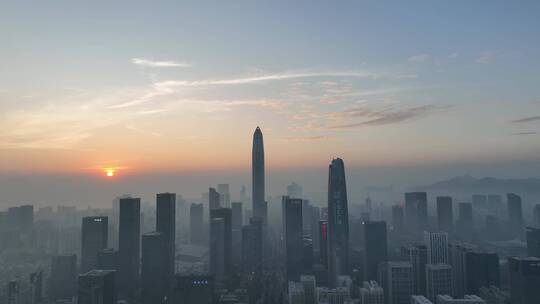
264 78
159 64
171 86
64 123
524 133
307 138
419 58
485 57
142 131
264 103
386 116
526 119
491 56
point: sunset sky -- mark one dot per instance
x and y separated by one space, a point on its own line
142 86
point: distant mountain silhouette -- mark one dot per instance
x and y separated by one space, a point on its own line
528 188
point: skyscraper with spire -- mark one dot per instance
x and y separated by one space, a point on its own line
338 222
257 167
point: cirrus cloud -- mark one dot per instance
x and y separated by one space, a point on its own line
159 64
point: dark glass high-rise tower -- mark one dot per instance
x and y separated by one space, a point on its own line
166 224
292 231
97 286
93 239
63 277
257 167
338 222
376 247
129 245
222 234
196 226
252 252
416 213
154 267
533 241
213 200
445 213
515 215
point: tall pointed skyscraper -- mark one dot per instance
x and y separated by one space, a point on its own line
338 222
257 167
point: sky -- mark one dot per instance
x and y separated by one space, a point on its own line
178 87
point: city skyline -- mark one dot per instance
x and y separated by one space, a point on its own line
107 94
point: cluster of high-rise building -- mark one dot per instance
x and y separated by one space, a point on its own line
226 252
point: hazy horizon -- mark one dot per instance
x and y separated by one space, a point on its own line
84 190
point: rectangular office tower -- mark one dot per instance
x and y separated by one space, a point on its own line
398 219
293 237
224 195
416 211
154 268
438 280
93 239
445 213
437 247
533 241
252 247
166 225
221 238
375 246
473 268
524 275
310 288
417 256
237 215
129 245
465 223
63 277
97 287
107 259
196 224
494 204
397 281
237 222
217 248
213 199
515 215
536 215
479 201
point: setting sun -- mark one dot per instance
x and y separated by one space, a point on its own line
109 172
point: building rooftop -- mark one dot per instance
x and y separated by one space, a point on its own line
421 300
153 233
439 266
466 298
371 286
399 264
97 273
